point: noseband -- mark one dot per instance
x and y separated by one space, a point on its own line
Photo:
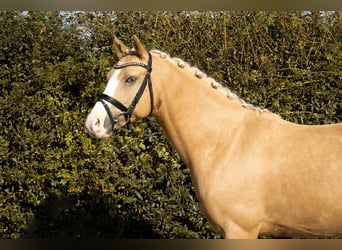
127 112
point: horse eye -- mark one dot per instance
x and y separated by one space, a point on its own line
131 79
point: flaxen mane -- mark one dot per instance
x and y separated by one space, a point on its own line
209 80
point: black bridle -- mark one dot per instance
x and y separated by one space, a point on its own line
128 111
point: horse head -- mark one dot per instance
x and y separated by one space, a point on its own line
125 98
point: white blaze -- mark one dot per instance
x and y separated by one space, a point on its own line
96 123
112 84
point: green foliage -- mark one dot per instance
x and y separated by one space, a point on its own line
56 181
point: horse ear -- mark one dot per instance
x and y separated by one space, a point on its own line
119 47
139 48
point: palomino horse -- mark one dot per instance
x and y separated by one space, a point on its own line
253 172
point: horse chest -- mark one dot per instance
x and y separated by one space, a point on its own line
223 193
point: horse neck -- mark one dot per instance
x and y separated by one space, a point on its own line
191 112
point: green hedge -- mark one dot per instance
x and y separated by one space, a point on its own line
56 181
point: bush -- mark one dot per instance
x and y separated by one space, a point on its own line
56 181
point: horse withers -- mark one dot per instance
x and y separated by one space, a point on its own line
253 172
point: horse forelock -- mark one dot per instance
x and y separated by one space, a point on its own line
209 80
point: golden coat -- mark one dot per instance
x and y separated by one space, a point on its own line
253 172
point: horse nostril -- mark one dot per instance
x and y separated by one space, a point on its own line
97 123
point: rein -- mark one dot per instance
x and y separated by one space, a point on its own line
128 111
